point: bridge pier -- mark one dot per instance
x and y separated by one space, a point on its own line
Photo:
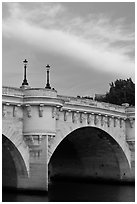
38 170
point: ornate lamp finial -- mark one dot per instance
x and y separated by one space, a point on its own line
25 61
25 67
48 84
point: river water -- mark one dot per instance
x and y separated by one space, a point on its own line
76 192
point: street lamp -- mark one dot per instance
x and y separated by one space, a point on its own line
25 67
48 84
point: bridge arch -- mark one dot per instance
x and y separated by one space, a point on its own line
13 134
89 152
15 157
13 165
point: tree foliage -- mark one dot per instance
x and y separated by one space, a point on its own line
121 91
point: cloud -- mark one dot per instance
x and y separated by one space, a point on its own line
39 13
102 27
93 41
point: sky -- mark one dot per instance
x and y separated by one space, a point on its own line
87 44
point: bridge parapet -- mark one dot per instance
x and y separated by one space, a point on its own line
40 92
11 91
91 103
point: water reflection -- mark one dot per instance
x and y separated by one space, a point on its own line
10 196
90 192
75 192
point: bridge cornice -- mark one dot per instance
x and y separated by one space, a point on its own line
12 100
23 101
45 100
92 109
46 97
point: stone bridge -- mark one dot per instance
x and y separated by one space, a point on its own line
46 133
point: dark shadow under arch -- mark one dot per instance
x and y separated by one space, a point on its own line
89 153
13 165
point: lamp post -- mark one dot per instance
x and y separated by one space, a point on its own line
48 84
25 67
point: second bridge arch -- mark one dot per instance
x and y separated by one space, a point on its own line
89 153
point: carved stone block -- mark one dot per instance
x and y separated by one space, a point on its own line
15 111
120 122
102 120
74 117
28 109
53 112
115 121
4 111
57 114
131 121
92 117
50 140
108 121
81 117
33 140
95 119
66 115
35 153
89 118
41 108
